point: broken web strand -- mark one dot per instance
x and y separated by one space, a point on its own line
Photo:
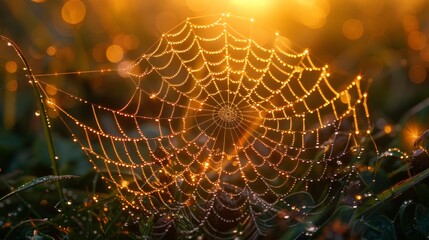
235 129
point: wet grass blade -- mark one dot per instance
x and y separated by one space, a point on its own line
38 181
389 194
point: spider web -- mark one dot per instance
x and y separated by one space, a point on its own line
218 134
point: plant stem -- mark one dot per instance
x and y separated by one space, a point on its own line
48 136
43 116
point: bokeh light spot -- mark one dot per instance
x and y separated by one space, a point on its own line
417 74
11 67
424 54
51 90
73 11
114 53
388 128
312 13
352 29
410 23
12 85
345 98
127 41
130 41
52 113
417 40
51 50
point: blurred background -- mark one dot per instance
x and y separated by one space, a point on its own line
386 41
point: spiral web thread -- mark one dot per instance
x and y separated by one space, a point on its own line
220 133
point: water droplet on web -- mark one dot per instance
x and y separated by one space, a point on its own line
37 113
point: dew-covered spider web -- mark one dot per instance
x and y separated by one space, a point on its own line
212 132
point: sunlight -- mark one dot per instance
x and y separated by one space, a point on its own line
411 133
251 3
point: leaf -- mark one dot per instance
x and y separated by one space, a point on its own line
422 191
406 218
37 181
378 227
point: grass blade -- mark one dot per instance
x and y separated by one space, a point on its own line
391 193
37 181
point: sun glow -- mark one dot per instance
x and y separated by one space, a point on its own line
411 133
251 3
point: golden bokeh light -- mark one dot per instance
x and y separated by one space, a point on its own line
388 128
11 67
12 85
345 98
417 40
124 65
51 90
410 23
125 183
352 29
51 50
417 74
52 113
73 11
114 53
424 54
312 13
127 41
